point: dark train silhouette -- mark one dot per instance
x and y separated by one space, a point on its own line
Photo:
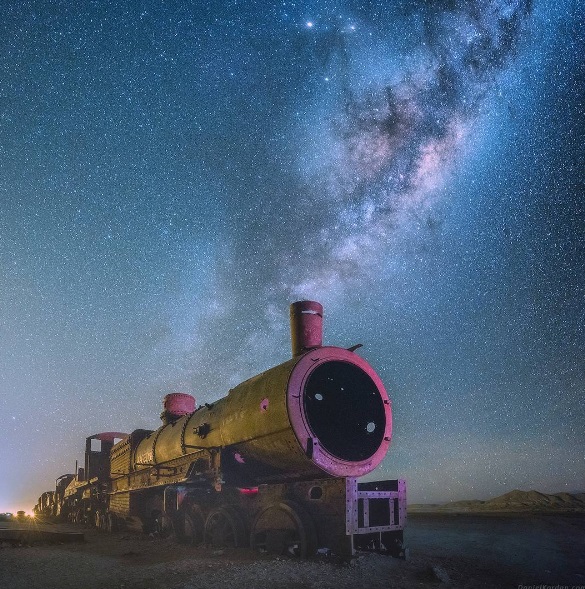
274 464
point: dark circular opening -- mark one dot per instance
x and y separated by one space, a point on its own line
316 493
345 410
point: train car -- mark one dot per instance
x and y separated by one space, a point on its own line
274 464
45 504
60 508
84 498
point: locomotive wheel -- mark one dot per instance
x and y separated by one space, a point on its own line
224 529
284 528
189 525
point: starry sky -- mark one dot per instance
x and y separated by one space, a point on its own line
174 174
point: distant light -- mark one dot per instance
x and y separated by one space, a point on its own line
248 491
310 24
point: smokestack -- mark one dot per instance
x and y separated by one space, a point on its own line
306 326
176 405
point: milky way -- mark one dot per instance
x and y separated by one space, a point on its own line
383 149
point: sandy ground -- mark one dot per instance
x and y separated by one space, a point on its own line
489 551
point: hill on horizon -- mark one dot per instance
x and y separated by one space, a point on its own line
513 501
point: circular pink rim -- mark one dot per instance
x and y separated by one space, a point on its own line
309 442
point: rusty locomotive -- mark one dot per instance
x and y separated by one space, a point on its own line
274 464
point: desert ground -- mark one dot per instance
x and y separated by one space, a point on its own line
460 551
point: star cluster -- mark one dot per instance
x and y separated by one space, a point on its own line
173 175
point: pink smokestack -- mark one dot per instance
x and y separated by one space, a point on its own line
306 326
175 405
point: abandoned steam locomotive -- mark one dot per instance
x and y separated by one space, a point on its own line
274 464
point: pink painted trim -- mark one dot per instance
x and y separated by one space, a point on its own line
296 412
109 436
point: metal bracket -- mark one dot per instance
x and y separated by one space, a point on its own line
358 509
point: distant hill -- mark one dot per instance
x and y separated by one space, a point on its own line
514 501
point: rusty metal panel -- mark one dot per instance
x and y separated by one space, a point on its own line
144 452
252 421
120 459
167 442
120 503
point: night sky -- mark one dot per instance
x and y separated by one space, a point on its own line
174 174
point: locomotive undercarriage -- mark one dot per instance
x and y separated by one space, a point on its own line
331 516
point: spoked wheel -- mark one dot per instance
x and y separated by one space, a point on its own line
224 529
188 525
284 528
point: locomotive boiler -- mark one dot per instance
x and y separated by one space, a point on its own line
274 463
